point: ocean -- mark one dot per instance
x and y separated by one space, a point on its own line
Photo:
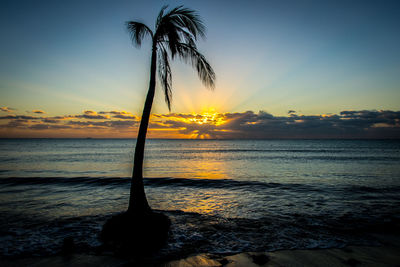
223 196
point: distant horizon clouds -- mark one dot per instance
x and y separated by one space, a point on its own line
348 124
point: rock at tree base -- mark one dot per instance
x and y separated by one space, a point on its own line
136 234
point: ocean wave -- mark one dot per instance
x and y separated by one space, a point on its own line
288 150
193 183
166 181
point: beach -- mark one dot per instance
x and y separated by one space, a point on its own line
388 254
349 256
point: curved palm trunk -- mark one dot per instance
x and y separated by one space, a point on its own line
137 200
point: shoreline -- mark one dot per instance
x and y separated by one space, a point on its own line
387 254
348 256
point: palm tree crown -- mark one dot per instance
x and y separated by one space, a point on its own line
175 34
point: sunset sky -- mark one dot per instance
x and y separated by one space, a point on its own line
285 69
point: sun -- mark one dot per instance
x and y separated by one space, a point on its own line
208 116
205 125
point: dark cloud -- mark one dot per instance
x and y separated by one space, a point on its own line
61 117
37 111
16 117
17 124
92 117
173 115
125 117
120 114
50 121
105 124
115 112
262 125
48 126
80 123
123 124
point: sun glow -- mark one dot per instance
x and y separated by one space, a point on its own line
205 125
208 116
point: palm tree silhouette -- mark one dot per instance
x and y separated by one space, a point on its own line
175 35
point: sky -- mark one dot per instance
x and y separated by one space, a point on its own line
285 69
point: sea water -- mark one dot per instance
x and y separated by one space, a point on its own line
223 196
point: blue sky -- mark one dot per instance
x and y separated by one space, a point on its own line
314 57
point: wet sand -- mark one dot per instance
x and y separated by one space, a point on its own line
388 254
350 256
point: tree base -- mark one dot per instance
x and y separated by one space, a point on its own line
136 233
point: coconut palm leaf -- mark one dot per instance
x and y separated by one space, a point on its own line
138 31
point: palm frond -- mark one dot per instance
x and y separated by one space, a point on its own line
188 19
164 71
161 15
190 54
138 31
169 34
178 25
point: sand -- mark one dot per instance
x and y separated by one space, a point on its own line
386 255
349 256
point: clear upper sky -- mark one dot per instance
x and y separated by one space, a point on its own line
314 57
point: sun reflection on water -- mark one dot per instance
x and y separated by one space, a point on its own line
207 169
208 202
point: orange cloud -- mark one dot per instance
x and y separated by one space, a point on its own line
6 109
90 114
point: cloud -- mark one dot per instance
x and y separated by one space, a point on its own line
120 114
262 125
48 126
241 125
16 117
66 117
90 114
125 117
88 120
15 124
6 109
92 117
106 124
37 111
116 112
50 121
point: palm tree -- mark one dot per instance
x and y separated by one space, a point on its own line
175 35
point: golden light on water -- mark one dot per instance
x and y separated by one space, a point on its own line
208 202
209 170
